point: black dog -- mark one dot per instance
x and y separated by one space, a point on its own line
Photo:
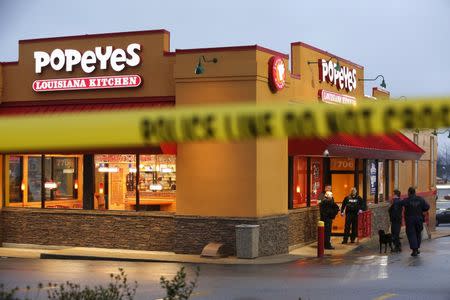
385 238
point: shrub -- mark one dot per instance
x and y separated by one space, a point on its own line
177 288
118 289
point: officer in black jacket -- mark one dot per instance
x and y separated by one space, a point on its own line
328 211
414 206
395 216
352 205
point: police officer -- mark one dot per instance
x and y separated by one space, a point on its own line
414 206
328 211
352 205
395 216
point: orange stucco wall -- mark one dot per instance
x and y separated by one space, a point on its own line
380 93
426 180
229 179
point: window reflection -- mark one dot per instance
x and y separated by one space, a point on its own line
15 178
34 179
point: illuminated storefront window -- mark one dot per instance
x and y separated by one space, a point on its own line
60 181
300 182
116 177
306 181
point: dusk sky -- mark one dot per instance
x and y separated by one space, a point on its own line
407 41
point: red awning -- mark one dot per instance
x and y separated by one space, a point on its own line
390 146
54 107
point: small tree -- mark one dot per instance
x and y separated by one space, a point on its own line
177 288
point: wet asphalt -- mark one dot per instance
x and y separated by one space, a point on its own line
363 274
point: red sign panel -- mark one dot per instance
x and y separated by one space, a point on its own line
87 83
334 98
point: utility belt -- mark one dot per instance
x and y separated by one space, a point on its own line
351 210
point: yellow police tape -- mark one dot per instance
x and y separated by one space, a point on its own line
138 128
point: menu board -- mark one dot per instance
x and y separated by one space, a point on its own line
316 177
373 177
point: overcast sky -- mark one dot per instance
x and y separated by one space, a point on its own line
408 41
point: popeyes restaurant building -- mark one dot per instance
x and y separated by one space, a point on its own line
180 197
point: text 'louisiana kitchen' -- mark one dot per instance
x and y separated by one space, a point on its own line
90 60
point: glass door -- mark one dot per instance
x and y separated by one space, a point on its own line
341 185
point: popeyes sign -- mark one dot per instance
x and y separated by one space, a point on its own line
277 74
342 78
99 58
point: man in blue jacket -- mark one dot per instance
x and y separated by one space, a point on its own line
414 206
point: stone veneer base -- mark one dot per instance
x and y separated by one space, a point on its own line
194 232
303 226
136 230
84 228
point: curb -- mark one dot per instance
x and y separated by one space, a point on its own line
100 258
288 259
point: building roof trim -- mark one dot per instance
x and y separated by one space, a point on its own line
95 35
9 62
326 53
233 48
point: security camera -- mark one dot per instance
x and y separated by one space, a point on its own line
326 153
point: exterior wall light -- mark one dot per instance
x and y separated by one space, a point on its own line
337 67
199 69
383 83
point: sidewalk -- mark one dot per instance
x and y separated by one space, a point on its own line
83 253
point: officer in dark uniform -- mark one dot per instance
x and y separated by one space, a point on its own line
395 216
352 205
328 211
414 206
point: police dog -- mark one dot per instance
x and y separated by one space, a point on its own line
385 238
